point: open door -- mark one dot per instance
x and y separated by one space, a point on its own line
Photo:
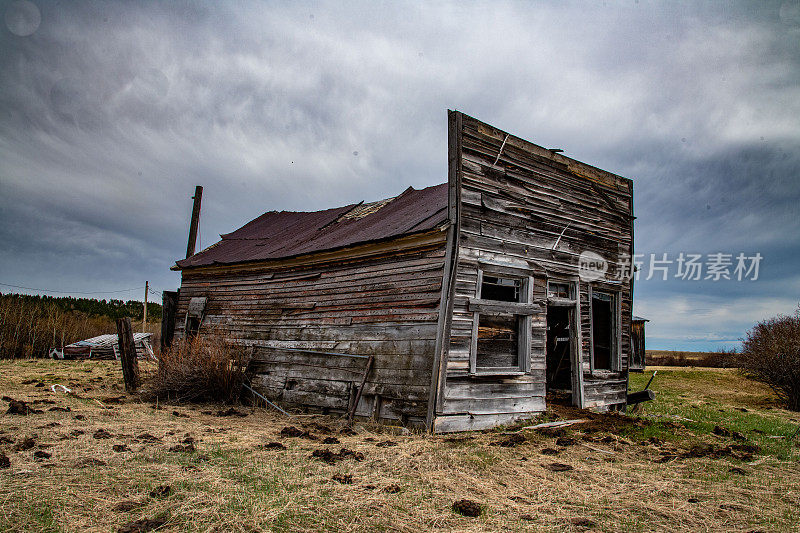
563 380
560 337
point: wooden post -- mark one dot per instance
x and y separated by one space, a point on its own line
198 196
144 314
169 303
127 352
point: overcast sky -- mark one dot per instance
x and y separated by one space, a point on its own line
111 113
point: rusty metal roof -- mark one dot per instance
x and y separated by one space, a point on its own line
283 234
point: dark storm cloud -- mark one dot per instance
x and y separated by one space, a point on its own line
110 113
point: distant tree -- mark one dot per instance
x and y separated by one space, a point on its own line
771 354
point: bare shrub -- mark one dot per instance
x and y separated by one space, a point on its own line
771 355
205 368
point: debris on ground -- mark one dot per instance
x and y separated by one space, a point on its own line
345 479
40 454
60 409
273 446
467 508
330 457
330 440
179 414
394 488
549 451
120 448
5 462
386 444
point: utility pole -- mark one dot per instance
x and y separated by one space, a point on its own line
144 315
198 196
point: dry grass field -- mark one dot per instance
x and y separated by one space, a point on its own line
111 460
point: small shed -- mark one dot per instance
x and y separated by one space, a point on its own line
103 347
638 353
459 306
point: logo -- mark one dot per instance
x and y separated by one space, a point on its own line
591 267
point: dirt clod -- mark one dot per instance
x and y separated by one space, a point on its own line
394 488
510 441
120 448
147 437
549 451
25 444
126 505
585 523
230 412
162 491
274 446
558 467
738 470
5 462
141 526
186 448
102 434
60 409
40 454
291 431
345 479
325 454
179 414
467 508
18 407
566 441
724 432
330 440
89 461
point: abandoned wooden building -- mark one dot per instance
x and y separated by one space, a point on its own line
455 307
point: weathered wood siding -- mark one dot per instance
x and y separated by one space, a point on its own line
511 211
386 306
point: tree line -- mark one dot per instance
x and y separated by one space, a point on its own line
31 325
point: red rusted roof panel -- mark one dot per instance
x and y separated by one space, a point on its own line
278 235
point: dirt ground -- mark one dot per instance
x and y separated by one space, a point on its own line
101 460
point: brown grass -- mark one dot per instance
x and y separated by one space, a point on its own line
201 369
232 483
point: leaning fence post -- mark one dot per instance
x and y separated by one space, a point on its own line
127 352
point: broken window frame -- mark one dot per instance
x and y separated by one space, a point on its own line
523 321
194 316
615 343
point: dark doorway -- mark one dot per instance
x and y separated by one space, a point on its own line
559 350
602 330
